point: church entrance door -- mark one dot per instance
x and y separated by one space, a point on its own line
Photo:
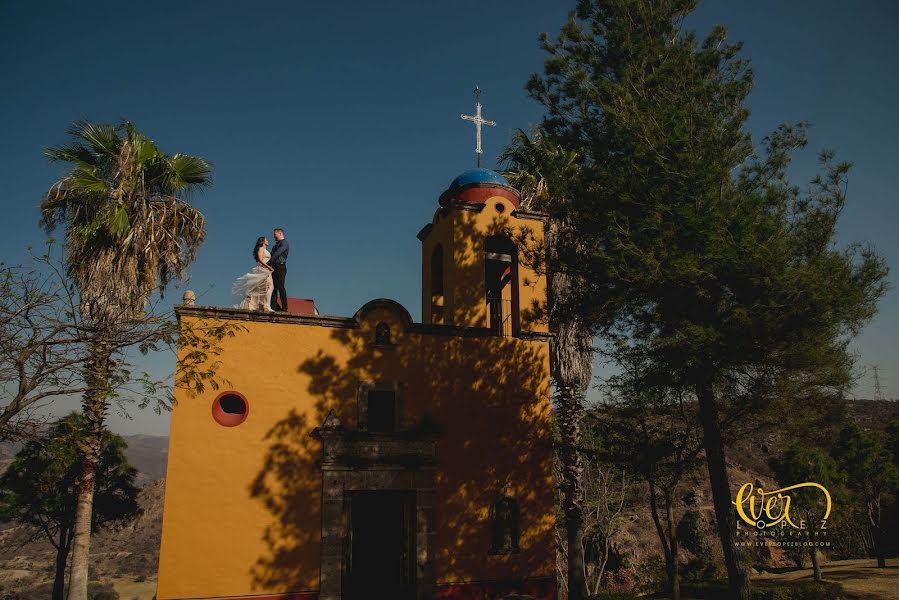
382 545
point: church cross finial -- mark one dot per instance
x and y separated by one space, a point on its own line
478 120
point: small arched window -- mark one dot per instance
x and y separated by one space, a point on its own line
505 526
382 334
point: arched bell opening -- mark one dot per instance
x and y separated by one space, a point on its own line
501 283
437 284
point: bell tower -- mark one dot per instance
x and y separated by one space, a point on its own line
478 258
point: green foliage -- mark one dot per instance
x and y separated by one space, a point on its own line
39 487
893 440
128 230
648 427
690 533
873 479
801 463
702 254
700 260
692 537
199 346
868 464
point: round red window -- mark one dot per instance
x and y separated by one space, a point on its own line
230 409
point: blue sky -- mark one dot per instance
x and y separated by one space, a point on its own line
340 121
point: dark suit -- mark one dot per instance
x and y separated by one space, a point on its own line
278 261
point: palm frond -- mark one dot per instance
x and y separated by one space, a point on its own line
103 138
540 169
117 222
72 153
547 177
189 170
143 149
86 180
127 232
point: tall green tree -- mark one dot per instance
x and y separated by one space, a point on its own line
706 258
128 232
801 463
872 477
548 179
39 487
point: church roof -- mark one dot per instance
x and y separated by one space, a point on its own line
477 185
478 176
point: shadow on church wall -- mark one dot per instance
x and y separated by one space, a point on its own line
487 395
289 486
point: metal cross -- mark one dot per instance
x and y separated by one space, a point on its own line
478 120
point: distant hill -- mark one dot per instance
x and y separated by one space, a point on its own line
148 454
131 552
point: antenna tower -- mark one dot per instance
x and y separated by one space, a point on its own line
878 391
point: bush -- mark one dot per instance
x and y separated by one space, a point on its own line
654 571
700 568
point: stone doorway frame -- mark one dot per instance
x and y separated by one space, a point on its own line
363 461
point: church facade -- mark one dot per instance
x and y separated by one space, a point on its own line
372 456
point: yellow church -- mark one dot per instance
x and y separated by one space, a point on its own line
372 456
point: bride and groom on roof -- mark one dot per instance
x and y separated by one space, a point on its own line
263 287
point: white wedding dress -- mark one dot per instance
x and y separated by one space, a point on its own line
254 290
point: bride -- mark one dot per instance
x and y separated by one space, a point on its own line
256 286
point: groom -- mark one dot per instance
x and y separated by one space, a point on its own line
278 262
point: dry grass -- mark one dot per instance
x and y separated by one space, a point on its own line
129 589
859 578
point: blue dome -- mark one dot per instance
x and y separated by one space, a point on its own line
478 176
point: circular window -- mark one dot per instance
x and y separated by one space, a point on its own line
500 207
230 409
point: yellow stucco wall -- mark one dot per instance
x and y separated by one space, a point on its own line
462 234
242 504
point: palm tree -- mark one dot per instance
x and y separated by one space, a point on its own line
547 177
127 235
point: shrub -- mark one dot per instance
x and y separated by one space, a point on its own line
700 568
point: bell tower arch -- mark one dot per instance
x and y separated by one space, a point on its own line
474 272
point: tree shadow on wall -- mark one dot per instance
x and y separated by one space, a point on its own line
487 394
289 485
